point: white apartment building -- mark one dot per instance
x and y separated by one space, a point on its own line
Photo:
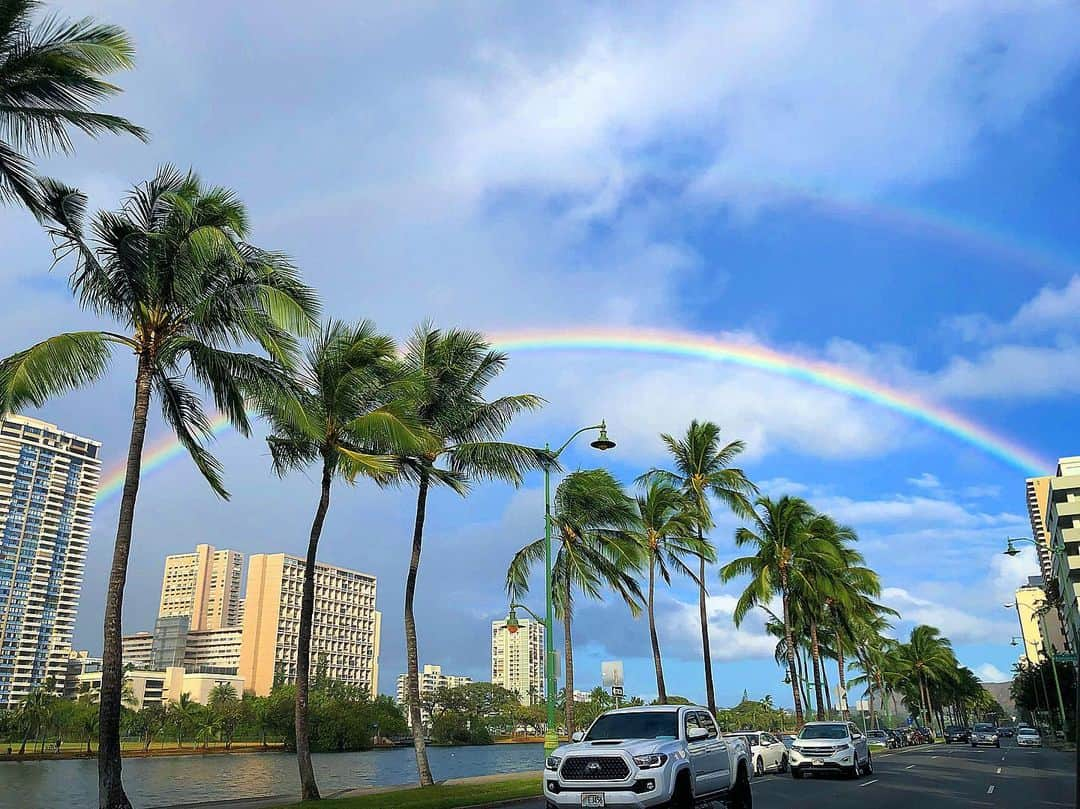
205 586
48 484
346 631
431 680
517 659
217 649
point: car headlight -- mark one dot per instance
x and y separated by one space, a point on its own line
650 760
553 762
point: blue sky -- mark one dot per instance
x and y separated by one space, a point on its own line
887 189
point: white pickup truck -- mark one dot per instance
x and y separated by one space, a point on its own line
660 755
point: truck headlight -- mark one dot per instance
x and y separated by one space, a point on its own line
651 760
553 762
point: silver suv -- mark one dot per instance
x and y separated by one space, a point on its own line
831 746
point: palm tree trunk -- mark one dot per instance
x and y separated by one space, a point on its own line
111 793
706 650
828 691
841 696
661 691
568 647
790 638
309 790
815 656
870 701
423 768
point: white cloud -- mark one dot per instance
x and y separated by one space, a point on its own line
680 628
1007 573
909 511
956 624
925 481
989 673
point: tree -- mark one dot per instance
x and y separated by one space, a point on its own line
51 77
665 532
784 551
33 712
592 521
172 268
88 721
926 660
345 413
182 715
151 721
702 469
453 370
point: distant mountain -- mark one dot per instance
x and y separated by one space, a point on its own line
1000 692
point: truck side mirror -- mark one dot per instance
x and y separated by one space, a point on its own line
696 734
577 736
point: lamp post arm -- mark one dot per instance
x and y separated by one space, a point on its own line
523 607
559 451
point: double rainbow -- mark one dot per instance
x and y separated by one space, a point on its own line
686 345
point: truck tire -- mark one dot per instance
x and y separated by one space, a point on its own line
741 796
759 767
683 796
783 764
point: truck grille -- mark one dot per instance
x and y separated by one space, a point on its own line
594 768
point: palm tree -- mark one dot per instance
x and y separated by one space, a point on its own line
592 520
666 534
88 722
926 660
784 552
171 267
702 469
221 694
346 414
453 370
33 712
51 76
183 714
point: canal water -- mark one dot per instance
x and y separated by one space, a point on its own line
154 782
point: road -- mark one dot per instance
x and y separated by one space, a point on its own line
929 777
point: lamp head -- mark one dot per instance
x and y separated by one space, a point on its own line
603 442
1013 642
512 624
1011 550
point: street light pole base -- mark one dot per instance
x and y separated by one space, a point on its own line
551 741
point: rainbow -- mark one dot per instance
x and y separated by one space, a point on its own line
155 456
686 345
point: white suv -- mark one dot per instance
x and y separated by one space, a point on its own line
836 746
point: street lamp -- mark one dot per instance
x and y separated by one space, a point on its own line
1011 549
602 443
1039 610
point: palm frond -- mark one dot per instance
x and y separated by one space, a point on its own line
52 367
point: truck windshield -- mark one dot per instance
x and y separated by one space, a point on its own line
636 725
824 732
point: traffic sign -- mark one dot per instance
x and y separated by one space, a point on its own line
616 691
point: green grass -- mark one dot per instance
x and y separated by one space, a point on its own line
450 796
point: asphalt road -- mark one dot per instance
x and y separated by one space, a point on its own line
929 777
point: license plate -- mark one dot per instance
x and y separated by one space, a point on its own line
817 762
592 800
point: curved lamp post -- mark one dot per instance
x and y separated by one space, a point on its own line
1039 609
603 443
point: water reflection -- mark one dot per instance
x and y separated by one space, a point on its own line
152 782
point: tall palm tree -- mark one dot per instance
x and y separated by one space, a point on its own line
785 551
702 469
183 714
34 711
51 77
666 534
592 520
926 660
452 371
347 414
171 267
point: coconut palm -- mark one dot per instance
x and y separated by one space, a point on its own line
88 722
171 267
702 469
592 521
33 712
925 661
452 370
221 694
785 553
666 533
51 77
183 714
347 415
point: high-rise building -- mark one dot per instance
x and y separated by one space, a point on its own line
79 662
215 650
136 649
1063 532
517 659
1039 626
345 635
48 482
204 586
1038 505
431 680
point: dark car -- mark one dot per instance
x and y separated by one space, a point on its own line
896 737
1008 731
924 736
955 733
985 734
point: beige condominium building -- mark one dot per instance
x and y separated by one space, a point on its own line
1038 505
160 687
1063 531
431 680
48 485
135 649
345 636
517 659
204 585
1039 625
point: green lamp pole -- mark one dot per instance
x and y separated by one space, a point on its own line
602 442
1039 610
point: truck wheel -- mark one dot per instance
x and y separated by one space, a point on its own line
783 764
759 768
683 796
868 768
741 796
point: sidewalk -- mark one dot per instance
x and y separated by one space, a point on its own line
271 801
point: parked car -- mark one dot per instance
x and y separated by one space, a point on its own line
879 739
659 755
1028 737
984 733
787 739
897 737
767 753
955 733
831 746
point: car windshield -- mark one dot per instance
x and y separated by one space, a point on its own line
984 728
751 738
824 732
953 728
1028 732
636 725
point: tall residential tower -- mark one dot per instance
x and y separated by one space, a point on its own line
205 586
517 659
48 482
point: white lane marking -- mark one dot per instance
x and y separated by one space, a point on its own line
990 790
868 783
909 766
998 771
